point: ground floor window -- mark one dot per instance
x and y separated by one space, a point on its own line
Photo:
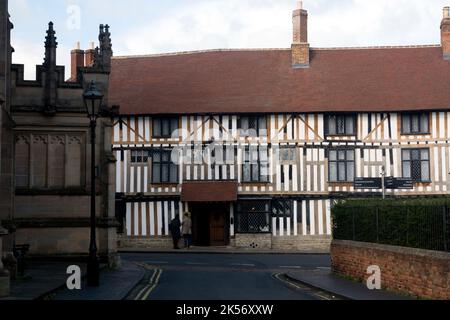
253 216
416 164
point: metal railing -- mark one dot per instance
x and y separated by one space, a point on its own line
424 227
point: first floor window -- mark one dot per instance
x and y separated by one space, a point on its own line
253 125
288 155
340 125
164 170
164 127
416 123
341 165
256 164
416 164
253 216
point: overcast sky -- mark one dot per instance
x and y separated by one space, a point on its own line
158 26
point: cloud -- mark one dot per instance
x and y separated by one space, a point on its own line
151 26
32 54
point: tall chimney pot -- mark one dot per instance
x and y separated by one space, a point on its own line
77 61
300 45
445 33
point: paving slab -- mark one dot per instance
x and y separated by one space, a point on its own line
327 281
114 285
40 279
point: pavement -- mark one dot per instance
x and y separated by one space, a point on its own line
326 281
220 250
192 276
46 280
40 279
114 285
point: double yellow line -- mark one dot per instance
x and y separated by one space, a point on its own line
152 284
292 284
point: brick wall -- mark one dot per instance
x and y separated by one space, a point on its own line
417 272
300 54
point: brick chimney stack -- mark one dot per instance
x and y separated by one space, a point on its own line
445 33
77 61
89 56
300 45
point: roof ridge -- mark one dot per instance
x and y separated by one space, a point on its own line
379 47
177 53
198 51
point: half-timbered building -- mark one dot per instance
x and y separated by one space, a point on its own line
257 144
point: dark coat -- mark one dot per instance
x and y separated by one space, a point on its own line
175 228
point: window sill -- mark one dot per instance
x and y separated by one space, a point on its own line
415 134
53 192
340 136
255 233
341 183
250 183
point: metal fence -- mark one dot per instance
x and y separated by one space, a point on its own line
424 227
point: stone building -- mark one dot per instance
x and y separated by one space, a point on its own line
6 146
52 154
45 157
258 144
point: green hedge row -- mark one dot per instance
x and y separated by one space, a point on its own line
418 223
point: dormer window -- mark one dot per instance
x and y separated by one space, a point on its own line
340 125
416 123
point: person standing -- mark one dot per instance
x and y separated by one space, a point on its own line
187 230
174 228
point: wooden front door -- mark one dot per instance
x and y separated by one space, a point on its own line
217 225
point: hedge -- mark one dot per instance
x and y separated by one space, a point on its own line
418 223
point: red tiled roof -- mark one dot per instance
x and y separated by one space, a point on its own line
239 81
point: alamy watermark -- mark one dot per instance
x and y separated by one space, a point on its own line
374 280
74 280
73 21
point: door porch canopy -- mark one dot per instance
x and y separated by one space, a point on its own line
210 191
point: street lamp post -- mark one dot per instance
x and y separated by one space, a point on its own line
93 100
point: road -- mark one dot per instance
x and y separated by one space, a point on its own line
224 276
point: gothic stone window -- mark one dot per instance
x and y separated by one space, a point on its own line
49 160
253 216
340 125
164 170
416 164
164 127
341 165
415 123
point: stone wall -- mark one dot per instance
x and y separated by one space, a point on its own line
316 244
125 242
313 244
416 272
253 241
4 275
